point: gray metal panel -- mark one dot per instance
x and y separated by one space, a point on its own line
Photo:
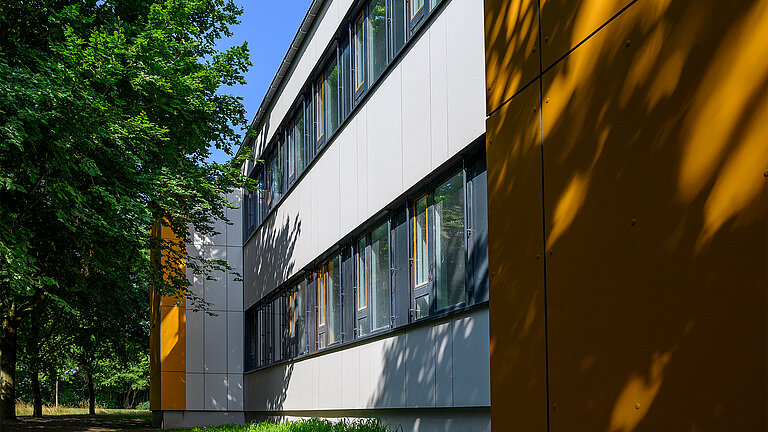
471 360
420 367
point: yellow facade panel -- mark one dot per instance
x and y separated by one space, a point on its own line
511 40
656 202
174 391
517 339
566 23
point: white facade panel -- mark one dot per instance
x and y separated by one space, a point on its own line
325 192
215 343
215 287
384 143
466 73
195 348
216 392
235 342
235 229
415 113
348 187
235 392
361 130
350 385
195 392
438 96
329 381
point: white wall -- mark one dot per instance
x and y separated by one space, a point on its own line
439 364
429 107
215 342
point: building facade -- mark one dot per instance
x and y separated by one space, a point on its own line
498 215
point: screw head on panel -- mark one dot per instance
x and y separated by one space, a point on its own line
633 222
765 174
546 39
628 42
637 405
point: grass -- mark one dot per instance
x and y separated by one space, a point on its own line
26 410
308 425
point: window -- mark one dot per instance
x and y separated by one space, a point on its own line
298 139
377 38
450 243
329 303
278 328
417 10
297 324
380 277
428 256
363 326
373 282
319 110
332 92
439 248
398 21
358 53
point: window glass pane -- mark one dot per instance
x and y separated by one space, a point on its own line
298 137
263 337
332 92
319 109
420 243
362 326
380 277
333 287
398 24
416 6
358 47
321 299
435 3
377 36
277 315
291 153
450 242
362 282
422 306
301 317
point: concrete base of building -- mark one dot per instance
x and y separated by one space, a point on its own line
190 419
459 419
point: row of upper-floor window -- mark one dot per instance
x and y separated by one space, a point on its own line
426 257
365 45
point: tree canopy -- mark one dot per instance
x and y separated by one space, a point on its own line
108 109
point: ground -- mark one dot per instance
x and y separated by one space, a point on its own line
79 423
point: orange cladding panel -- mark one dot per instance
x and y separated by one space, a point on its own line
656 210
511 40
516 263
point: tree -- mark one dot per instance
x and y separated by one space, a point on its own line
107 112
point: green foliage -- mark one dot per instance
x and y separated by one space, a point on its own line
308 425
107 113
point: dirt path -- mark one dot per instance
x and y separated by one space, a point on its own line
77 423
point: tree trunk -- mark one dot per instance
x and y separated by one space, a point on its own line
8 341
37 397
91 395
57 390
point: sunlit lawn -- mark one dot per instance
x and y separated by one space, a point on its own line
26 410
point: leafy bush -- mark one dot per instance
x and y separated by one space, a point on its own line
309 425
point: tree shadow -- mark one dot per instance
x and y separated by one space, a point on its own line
650 185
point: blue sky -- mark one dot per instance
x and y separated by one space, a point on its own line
269 27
